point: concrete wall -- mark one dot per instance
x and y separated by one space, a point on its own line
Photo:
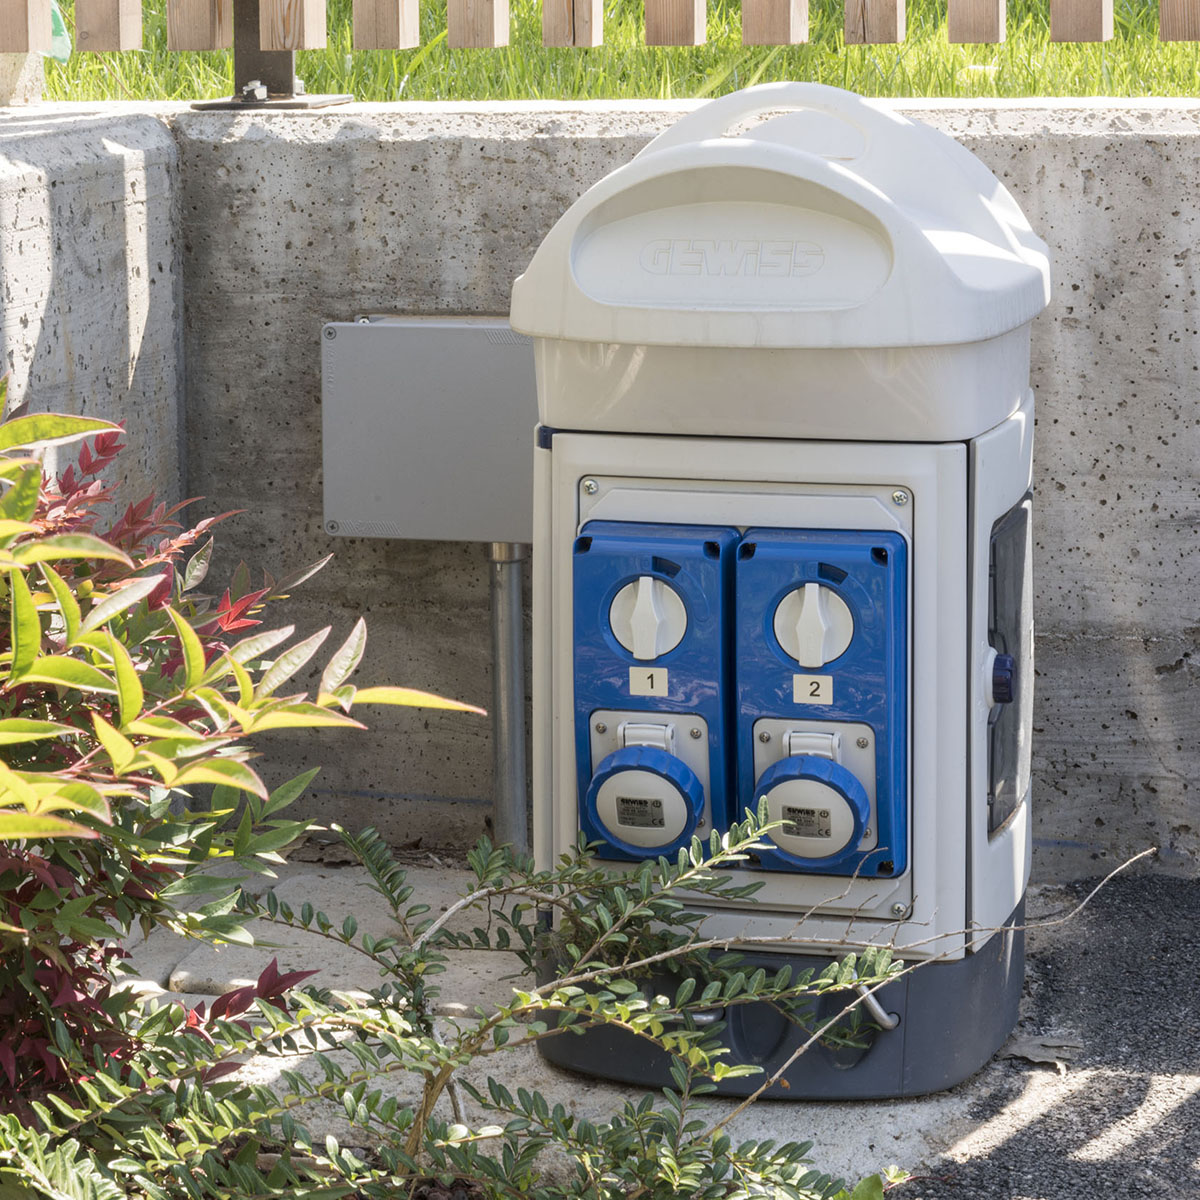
90 314
289 220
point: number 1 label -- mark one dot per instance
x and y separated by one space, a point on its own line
647 681
812 689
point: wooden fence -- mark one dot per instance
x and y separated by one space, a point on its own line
103 25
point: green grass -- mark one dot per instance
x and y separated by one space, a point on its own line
1134 63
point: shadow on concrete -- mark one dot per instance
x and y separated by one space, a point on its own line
1122 981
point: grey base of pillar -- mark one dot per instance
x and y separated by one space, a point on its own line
953 1017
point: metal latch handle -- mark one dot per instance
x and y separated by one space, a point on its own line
881 1017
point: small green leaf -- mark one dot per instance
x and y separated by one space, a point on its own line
197 567
45 429
294 580
19 503
67 604
23 729
285 793
119 749
250 648
195 885
119 601
276 839
68 672
24 825
55 793
26 627
193 649
130 695
344 660
411 698
68 545
289 662
242 676
157 727
222 770
300 715
10 530
870 1188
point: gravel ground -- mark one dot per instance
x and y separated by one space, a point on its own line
1122 981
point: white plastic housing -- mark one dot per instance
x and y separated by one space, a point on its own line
838 272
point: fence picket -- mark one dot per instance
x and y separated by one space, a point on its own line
477 24
874 22
975 21
774 22
572 22
199 24
102 25
386 24
291 24
676 23
1179 20
1081 20
24 26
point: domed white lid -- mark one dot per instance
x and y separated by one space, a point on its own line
836 224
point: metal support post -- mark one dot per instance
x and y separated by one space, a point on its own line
510 819
264 78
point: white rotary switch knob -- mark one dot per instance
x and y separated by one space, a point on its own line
813 625
648 618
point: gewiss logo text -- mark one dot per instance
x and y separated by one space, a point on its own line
746 257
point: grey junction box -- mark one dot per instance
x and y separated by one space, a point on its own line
427 429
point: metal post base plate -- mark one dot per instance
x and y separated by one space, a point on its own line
237 104
953 1016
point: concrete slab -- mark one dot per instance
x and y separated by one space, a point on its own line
324 1118
1115 986
472 977
153 959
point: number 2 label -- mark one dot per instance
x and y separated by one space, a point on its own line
812 689
647 681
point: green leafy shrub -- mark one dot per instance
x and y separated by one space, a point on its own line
169 1123
126 694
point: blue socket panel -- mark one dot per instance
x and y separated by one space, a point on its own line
869 571
697 562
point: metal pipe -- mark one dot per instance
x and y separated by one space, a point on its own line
510 818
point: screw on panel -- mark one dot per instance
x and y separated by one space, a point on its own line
601 727
696 733
330 332
332 527
764 736
900 497
862 743
590 487
899 910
